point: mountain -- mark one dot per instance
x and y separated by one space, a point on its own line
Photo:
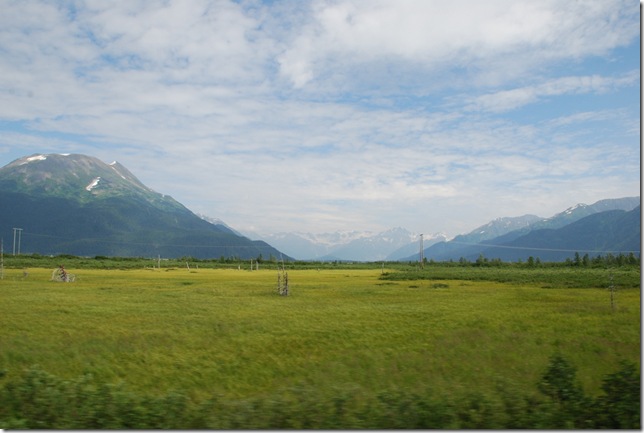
613 231
346 245
76 204
466 244
498 227
302 246
414 246
476 242
373 248
220 224
579 211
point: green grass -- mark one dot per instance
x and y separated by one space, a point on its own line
549 276
450 346
226 332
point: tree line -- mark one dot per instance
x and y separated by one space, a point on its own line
607 260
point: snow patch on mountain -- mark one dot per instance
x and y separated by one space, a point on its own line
93 184
113 165
570 210
33 158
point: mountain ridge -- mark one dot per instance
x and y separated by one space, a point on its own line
76 204
463 246
338 246
597 233
343 245
79 205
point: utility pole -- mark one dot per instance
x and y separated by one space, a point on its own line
14 240
612 294
2 259
420 256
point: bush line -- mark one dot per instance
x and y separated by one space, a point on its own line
39 400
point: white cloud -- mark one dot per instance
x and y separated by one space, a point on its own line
324 113
442 36
506 100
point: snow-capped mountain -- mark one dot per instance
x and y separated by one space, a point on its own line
77 204
503 231
373 248
343 245
581 210
499 226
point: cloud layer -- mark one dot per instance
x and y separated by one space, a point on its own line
334 115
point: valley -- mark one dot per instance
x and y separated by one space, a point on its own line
78 205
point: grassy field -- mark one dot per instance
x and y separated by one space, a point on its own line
226 332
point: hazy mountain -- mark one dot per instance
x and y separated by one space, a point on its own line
413 247
498 227
374 248
76 204
347 245
298 245
473 244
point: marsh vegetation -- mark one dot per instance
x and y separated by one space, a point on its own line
352 346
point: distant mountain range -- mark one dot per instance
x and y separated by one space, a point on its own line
76 204
351 245
612 225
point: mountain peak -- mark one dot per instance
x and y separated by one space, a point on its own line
574 208
581 210
74 176
351 245
479 241
498 227
77 204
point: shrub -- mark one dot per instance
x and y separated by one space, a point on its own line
620 407
39 400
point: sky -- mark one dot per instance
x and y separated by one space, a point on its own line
324 116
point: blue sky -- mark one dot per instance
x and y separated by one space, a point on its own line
318 116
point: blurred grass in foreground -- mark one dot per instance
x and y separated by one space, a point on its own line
346 349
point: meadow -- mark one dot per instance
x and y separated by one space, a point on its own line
349 347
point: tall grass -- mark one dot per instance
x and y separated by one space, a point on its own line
552 276
201 333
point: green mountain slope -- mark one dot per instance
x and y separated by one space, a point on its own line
75 204
614 231
471 245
